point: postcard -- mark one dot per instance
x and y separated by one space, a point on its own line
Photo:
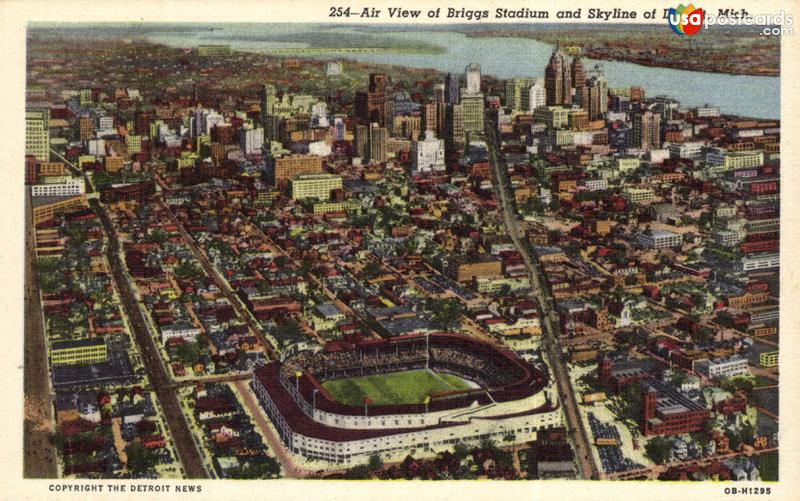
504 249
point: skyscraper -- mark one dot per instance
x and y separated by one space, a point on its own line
579 82
473 73
553 75
269 97
37 133
518 93
647 130
439 107
377 143
370 106
593 96
361 140
537 95
602 87
451 90
472 108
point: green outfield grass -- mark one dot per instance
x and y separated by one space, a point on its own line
395 388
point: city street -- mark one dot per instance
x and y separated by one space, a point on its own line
40 456
588 469
189 455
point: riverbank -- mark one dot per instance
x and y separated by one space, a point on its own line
760 56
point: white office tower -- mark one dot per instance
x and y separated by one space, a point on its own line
319 114
428 155
251 140
473 79
203 120
537 96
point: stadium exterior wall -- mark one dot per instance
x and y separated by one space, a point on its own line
313 440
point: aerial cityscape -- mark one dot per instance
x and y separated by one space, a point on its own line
315 251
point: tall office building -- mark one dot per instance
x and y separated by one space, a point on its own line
37 133
86 128
452 93
370 105
377 143
647 130
273 127
517 93
251 140
441 103
553 74
269 97
578 76
361 141
537 95
473 74
593 97
472 107
596 73
454 119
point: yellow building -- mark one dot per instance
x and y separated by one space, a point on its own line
46 208
81 352
134 144
472 107
555 117
317 186
638 195
728 160
484 267
768 359
114 164
37 134
51 169
288 167
327 207
578 119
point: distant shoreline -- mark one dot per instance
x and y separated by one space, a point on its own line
699 65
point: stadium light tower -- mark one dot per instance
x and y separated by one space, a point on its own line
314 399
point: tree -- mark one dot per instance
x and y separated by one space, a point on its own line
187 269
140 458
360 472
188 353
658 449
375 462
445 313
678 377
287 333
157 236
371 270
460 450
631 397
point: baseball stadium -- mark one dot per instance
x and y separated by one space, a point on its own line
391 396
